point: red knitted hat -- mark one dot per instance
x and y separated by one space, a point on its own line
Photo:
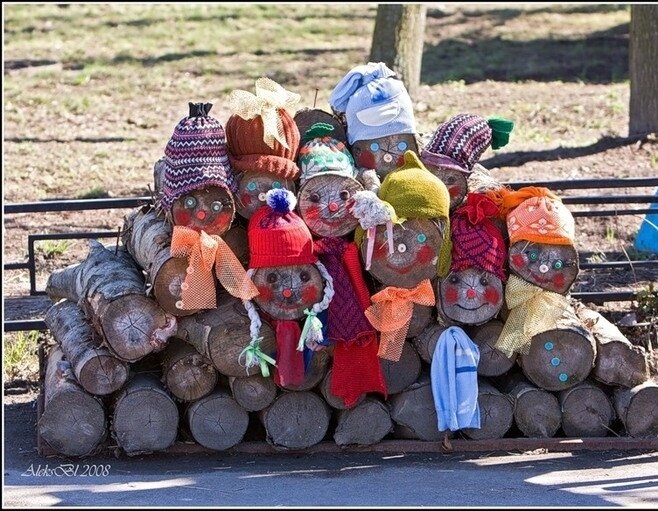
476 241
277 235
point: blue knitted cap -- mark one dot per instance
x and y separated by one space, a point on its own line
375 104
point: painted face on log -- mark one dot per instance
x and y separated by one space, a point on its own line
383 154
416 245
550 267
454 180
322 204
252 187
209 209
285 291
471 296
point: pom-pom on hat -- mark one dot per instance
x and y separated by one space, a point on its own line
476 241
320 153
374 102
277 235
459 143
196 156
261 134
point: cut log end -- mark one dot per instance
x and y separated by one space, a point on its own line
365 424
217 421
103 375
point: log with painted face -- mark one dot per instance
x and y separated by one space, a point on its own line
252 187
551 267
210 209
384 154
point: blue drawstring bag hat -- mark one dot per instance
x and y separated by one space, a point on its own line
375 103
454 380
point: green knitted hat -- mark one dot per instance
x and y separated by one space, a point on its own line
320 153
414 192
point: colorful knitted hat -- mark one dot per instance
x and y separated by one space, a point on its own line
261 134
458 143
535 214
375 104
195 156
320 153
277 235
476 241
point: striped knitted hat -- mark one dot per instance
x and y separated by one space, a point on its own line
196 156
459 142
476 241
320 153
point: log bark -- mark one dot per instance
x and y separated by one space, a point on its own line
96 369
217 421
364 424
618 361
586 411
145 417
425 342
73 421
496 413
493 362
186 373
332 400
63 284
296 420
253 393
560 358
111 292
222 333
414 414
638 409
537 412
399 375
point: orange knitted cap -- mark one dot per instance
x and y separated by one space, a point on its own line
542 220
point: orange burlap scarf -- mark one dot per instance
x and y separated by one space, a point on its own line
390 313
204 251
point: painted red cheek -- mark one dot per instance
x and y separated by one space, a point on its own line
265 292
366 159
311 294
246 199
182 217
518 260
312 213
222 220
558 280
425 254
400 161
492 296
451 295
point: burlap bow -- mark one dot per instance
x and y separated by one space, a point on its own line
204 251
533 310
390 313
270 96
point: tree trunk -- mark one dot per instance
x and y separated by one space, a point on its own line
398 41
364 424
618 361
110 288
253 393
186 373
97 370
537 412
222 333
493 362
217 421
414 414
496 413
586 411
332 400
145 418
399 375
562 357
643 72
638 409
296 420
425 342
73 421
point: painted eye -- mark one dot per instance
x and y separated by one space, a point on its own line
402 146
450 180
276 185
190 202
453 279
344 195
421 238
484 281
304 276
533 255
558 264
251 186
272 278
374 146
315 197
216 206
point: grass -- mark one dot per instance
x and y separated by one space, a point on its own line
20 356
53 248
